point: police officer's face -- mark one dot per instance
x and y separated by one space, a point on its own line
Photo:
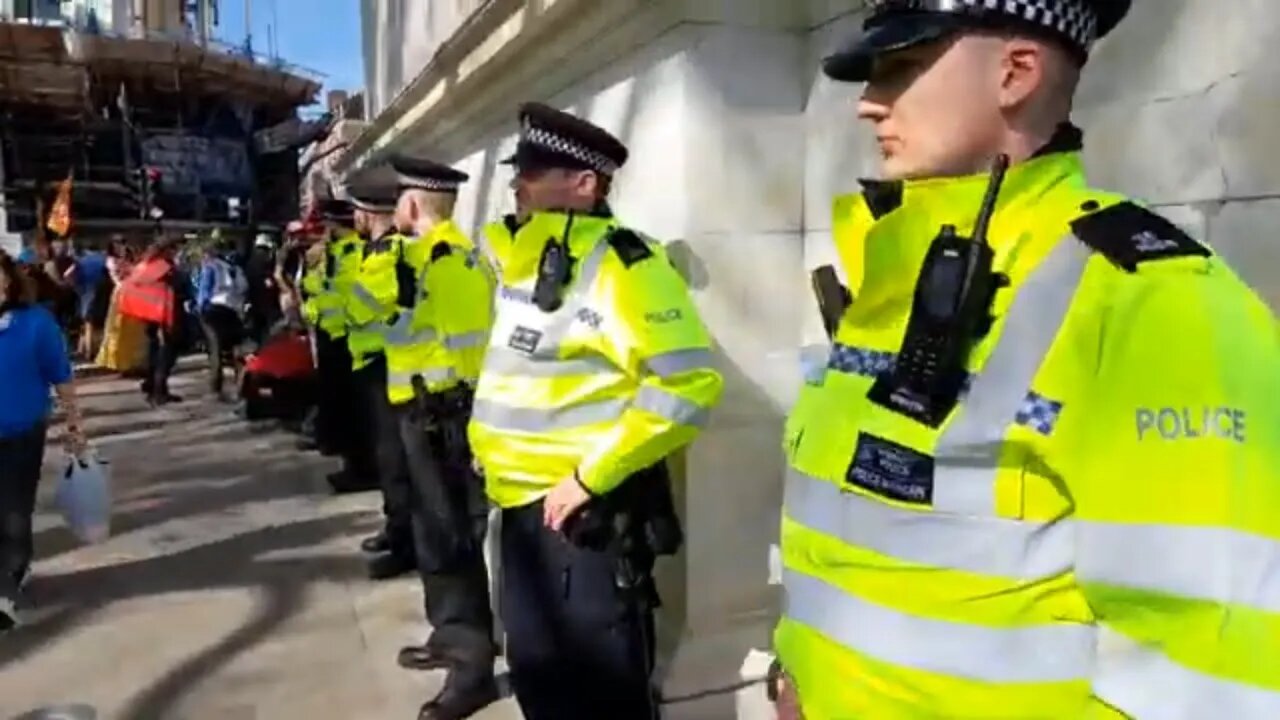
936 107
554 188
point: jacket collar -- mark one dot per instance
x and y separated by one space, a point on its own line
885 196
1023 228
448 231
578 231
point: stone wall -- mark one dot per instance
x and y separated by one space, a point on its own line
739 144
400 38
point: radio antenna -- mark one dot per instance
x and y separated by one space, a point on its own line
998 170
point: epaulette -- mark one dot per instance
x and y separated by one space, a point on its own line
440 249
630 247
1129 235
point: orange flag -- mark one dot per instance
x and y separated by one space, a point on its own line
60 214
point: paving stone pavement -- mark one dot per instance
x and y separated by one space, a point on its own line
232 587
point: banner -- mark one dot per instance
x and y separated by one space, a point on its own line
59 222
190 165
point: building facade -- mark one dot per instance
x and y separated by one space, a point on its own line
739 144
109 92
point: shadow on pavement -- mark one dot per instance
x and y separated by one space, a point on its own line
73 598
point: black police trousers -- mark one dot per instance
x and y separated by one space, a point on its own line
381 428
20 460
449 525
578 647
334 402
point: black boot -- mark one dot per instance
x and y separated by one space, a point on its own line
454 703
422 657
390 565
376 544
343 483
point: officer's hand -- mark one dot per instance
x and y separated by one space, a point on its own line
562 502
787 705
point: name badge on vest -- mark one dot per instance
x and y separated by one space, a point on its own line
524 339
890 470
5 321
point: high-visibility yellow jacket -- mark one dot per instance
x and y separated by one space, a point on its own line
442 338
616 379
327 285
1094 532
372 300
500 238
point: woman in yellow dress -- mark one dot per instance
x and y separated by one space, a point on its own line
124 344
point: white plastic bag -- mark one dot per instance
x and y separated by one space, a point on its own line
84 498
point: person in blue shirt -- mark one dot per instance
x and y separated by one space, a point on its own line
221 294
88 277
33 360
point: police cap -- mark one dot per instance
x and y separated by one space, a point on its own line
550 138
335 210
372 196
421 174
899 24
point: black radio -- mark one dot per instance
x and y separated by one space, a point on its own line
406 279
950 314
555 270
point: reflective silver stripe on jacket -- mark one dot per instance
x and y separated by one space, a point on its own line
1143 683
672 407
679 361
402 334
1038 654
540 420
968 452
1211 564
506 361
987 546
463 341
366 298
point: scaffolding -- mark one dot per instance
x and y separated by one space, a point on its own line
97 107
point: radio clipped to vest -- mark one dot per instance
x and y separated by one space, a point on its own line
555 269
833 298
406 280
330 262
950 314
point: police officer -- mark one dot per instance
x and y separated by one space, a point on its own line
1021 490
597 369
434 349
372 304
329 292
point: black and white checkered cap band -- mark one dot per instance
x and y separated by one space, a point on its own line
428 183
567 146
1073 19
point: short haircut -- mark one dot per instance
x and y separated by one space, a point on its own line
438 204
